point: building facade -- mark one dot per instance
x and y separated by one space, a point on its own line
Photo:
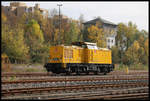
19 8
111 41
109 28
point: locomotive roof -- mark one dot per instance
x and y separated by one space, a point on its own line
88 44
103 48
83 43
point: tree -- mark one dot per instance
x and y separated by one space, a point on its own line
120 38
13 43
56 38
48 31
132 53
146 44
73 33
115 55
131 31
126 35
146 51
97 35
81 27
141 55
144 33
33 30
141 40
85 34
143 50
34 39
4 18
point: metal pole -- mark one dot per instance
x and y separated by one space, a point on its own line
59 24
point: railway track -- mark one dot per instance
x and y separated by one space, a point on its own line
128 93
59 84
62 87
70 81
131 93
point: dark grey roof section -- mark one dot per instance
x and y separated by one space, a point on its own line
99 19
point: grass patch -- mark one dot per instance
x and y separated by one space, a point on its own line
22 68
122 67
119 67
138 67
31 70
35 70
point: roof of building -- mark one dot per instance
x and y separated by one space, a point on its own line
16 4
99 19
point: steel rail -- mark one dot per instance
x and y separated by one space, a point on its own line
27 90
101 94
71 79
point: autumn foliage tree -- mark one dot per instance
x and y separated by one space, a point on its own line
132 53
74 31
13 43
34 39
115 55
130 42
96 35
137 52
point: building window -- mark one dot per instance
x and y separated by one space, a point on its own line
112 41
108 40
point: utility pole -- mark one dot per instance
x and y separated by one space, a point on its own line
59 24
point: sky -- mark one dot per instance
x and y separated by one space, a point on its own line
116 12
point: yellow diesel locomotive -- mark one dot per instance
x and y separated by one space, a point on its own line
80 57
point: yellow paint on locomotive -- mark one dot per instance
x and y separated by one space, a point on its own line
75 54
56 54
